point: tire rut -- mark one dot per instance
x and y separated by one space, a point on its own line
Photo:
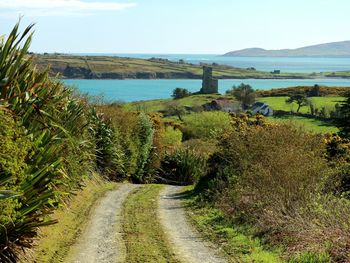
185 240
102 241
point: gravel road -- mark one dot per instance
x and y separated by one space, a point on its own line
102 241
185 240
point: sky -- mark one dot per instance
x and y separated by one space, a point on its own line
176 26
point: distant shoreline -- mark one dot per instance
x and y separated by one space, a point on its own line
111 67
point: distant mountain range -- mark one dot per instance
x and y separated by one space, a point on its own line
335 49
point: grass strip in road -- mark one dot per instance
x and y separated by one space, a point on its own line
57 239
234 244
144 238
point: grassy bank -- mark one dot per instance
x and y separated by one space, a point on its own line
144 238
235 243
55 240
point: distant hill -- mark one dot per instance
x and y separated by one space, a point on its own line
335 49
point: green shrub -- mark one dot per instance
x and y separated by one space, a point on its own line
205 125
202 147
310 91
144 135
180 93
183 167
171 137
244 93
311 258
273 178
136 134
14 150
109 155
343 121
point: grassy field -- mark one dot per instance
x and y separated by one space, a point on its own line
279 103
144 238
312 125
57 239
160 105
121 67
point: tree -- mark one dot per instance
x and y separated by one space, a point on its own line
343 121
299 99
315 91
243 93
174 109
179 93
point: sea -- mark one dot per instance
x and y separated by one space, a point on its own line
136 90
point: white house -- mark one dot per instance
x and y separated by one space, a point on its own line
262 108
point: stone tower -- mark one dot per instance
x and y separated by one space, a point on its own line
209 84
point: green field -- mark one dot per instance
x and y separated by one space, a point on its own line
279 103
160 105
312 125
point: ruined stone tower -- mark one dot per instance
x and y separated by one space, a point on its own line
209 84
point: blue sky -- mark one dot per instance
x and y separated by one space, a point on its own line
177 26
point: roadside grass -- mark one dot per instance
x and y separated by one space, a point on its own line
145 241
312 125
56 240
234 243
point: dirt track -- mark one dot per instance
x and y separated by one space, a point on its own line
185 241
101 240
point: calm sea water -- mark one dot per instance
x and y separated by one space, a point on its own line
285 64
136 90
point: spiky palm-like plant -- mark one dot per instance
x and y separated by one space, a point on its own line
55 123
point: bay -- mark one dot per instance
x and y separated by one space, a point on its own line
136 90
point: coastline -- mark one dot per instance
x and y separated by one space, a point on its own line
119 68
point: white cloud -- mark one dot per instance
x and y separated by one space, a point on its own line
58 7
